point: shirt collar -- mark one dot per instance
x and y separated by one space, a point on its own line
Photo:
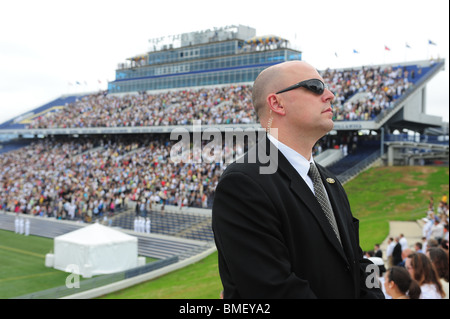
300 163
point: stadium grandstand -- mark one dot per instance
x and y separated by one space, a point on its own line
106 156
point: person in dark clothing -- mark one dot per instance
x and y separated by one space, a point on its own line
397 253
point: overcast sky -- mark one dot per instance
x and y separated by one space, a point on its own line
47 46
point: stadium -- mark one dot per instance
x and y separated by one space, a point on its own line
106 158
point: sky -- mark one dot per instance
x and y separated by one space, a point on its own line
47 46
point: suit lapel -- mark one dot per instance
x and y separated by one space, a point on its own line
303 192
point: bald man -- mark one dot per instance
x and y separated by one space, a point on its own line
273 237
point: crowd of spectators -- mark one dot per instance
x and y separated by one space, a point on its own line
88 178
426 261
380 88
230 104
219 105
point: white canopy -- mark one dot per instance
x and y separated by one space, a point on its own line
95 250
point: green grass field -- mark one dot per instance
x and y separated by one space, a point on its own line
376 196
22 265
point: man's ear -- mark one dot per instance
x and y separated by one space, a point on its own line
275 104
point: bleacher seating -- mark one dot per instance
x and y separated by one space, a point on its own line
13 145
363 150
183 225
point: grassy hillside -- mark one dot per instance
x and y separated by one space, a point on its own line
393 193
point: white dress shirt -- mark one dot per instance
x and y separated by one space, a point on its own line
300 163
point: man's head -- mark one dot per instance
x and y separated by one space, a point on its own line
301 111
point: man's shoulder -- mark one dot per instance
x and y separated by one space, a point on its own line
260 159
242 166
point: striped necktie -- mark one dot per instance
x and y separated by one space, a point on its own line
322 198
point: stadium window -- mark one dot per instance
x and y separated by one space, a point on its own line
248 76
236 78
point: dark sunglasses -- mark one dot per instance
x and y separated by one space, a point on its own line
314 85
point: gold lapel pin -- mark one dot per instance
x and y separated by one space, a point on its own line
330 180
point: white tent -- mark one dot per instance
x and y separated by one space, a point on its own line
95 250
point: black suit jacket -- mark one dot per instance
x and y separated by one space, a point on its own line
274 241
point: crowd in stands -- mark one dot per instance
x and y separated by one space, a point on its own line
219 105
89 178
418 270
227 104
381 87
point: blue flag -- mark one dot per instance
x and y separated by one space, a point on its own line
431 42
354 51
